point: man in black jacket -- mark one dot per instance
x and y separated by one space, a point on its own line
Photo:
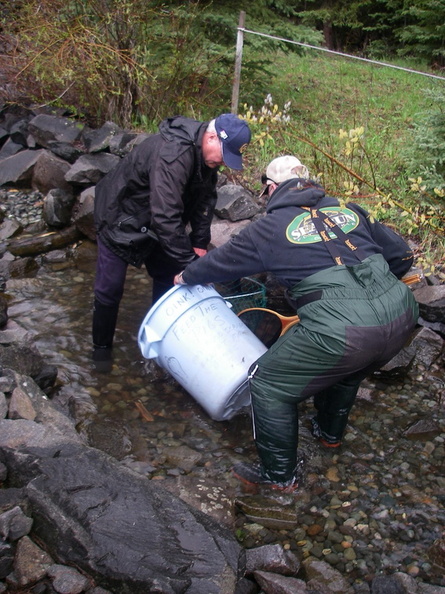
155 208
341 269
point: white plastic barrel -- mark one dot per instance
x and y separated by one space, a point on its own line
193 334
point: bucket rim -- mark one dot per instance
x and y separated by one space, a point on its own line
166 296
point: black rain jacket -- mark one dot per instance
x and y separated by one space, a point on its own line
158 189
285 242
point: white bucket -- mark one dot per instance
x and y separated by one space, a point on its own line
193 334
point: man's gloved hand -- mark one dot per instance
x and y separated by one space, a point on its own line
200 252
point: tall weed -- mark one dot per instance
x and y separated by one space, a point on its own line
117 59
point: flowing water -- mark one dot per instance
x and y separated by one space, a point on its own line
373 506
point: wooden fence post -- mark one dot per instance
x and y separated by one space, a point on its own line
238 60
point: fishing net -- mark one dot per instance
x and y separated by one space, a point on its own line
243 293
266 325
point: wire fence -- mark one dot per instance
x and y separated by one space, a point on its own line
240 38
323 49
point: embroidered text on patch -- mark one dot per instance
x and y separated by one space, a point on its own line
302 229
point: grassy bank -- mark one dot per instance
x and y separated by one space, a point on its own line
351 123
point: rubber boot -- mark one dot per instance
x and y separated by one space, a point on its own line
104 326
333 407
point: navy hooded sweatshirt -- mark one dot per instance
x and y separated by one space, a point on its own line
285 242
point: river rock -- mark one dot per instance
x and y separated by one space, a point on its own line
30 564
20 406
320 572
279 584
119 143
235 203
46 128
272 558
82 500
23 268
83 213
17 169
66 151
222 230
205 495
117 526
14 524
25 358
3 311
57 207
32 245
10 148
425 347
422 429
68 580
89 169
10 228
19 131
49 173
431 300
436 553
13 333
268 512
99 140
6 559
3 412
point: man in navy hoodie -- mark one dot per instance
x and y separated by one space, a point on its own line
341 269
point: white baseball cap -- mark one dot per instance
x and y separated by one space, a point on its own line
283 168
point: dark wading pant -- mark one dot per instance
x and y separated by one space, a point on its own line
362 320
109 288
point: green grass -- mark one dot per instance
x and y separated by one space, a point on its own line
331 93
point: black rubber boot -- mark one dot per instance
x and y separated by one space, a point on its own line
333 407
104 325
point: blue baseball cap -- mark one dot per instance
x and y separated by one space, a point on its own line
234 134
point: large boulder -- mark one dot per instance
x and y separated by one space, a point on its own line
124 530
57 208
83 213
49 128
17 169
89 169
49 173
235 203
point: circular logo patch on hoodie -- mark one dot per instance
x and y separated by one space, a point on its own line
302 229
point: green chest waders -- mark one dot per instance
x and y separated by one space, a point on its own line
352 321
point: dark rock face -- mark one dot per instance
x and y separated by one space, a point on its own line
57 207
124 531
235 203
46 128
127 533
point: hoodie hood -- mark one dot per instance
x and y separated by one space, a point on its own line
183 130
295 192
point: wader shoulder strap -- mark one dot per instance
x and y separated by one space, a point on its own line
323 225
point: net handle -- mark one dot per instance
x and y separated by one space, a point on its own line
286 321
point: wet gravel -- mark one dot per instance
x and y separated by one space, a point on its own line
22 205
371 507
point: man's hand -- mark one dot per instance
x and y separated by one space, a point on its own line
200 252
178 280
